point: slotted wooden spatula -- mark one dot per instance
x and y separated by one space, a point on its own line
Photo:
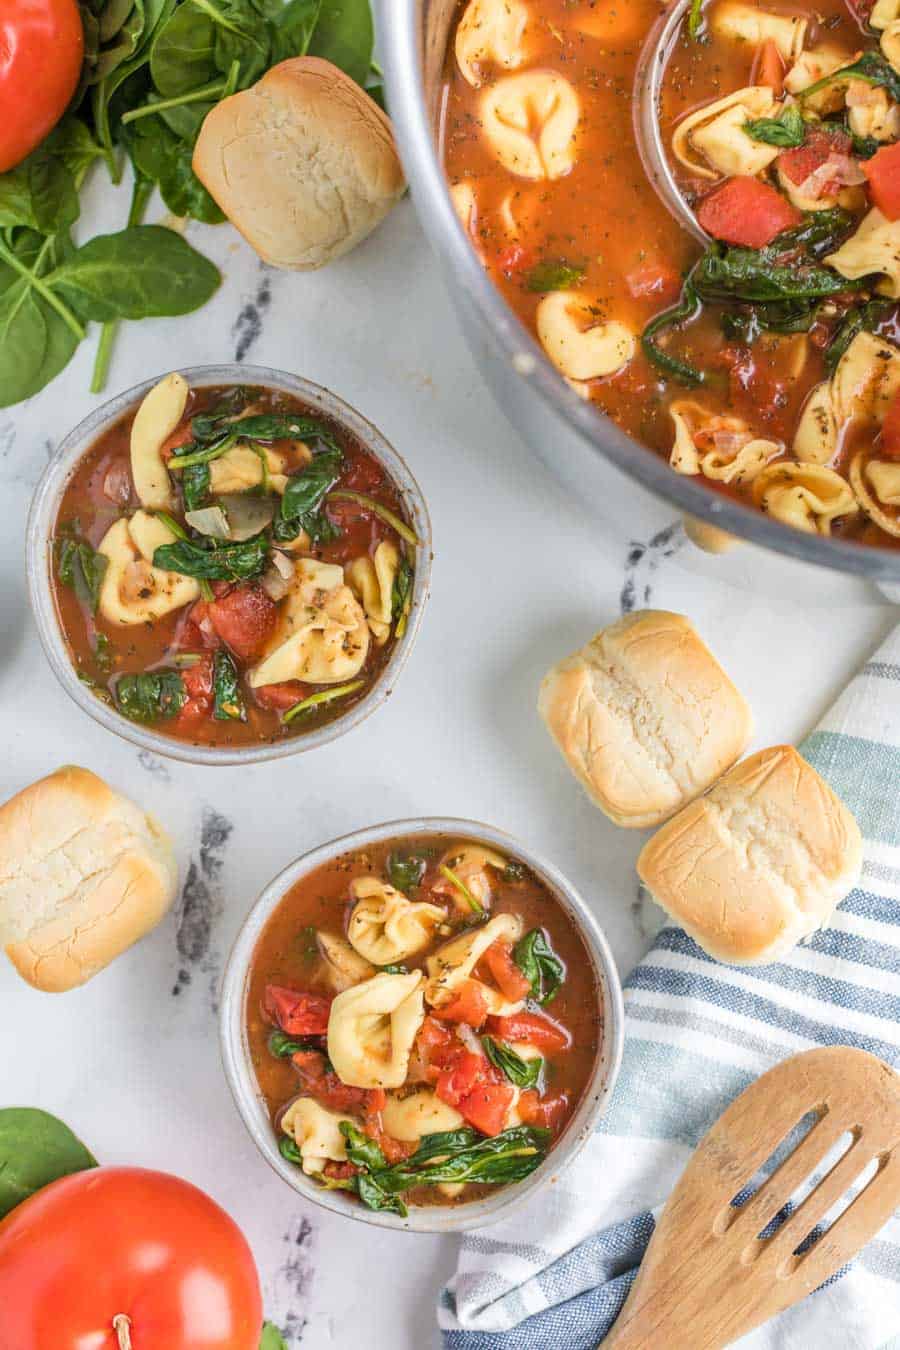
708 1276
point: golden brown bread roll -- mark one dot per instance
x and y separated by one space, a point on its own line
645 717
84 873
757 864
303 163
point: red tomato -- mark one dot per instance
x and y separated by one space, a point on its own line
509 979
883 173
747 212
486 1107
296 1012
244 618
41 50
468 1006
656 279
124 1250
198 684
890 432
547 1113
460 1077
325 1086
816 150
533 1027
513 259
176 439
280 697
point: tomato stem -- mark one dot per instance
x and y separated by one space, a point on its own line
122 1328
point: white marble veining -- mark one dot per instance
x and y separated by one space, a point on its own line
131 1061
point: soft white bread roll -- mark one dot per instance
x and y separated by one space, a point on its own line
645 717
757 864
84 873
303 163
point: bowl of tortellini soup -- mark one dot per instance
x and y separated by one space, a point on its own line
421 1023
673 237
228 564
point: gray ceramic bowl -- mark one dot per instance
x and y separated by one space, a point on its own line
249 1100
39 550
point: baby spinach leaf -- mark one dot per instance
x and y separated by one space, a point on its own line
863 319
508 1157
79 566
405 871
695 20
271 1338
374 1197
282 1046
141 272
787 131
525 1073
459 885
514 871
871 68
192 457
361 1150
195 486
553 276
288 1149
35 1149
151 697
687 308
307 706
166 159
226 562
444 1141
103 652
284 426
293 27
540 965
864 147
306 490
228 703
344 35
183 53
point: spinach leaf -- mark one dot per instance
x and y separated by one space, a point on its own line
553 276
540 965
288 1149
271 1338
82 568
195 486
514 871
103 653
307 706
141 272
284 426
401 593
293 27
282 1046
688 308
361 1150
695 20
787 131
393 970
525 1073
208 426
508 1157
151 697
165 158
405 871
344 34
35 1149
374 1197
863 319
225 562
459 885
183 53
444 1141
38 332
817 235
228 702
306 491
191 457
871 68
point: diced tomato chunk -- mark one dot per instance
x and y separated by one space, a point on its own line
321 1083
883 173
458 1079
890 431
656 279
509 979
747 212
280 697
244 618
298 1013
340 1171
768 68
533 1027
487 1105
180 436
816 150
547 1113
198 685
469 1006
514 258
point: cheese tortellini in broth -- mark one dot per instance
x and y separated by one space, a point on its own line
316 1132
372 582
452 965
133 591
530 121
874 248
322 635
418 1113
580 346
490 31
712 141
385 926
371 1029
157 417
807 496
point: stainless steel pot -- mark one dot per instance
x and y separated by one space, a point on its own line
581 446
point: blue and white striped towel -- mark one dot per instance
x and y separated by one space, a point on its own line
697 1033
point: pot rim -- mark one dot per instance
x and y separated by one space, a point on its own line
248 1098
38 560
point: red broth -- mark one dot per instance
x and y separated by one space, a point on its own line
228 632
447 1060
599 231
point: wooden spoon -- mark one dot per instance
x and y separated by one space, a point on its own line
708 1276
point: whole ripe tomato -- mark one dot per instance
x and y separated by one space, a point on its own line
119 1258
41 51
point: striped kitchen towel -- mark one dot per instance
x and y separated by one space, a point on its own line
697 1033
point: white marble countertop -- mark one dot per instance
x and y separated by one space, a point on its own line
131 1060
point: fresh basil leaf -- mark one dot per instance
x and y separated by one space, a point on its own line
405 871
787 131
195 486
154 696
227 562
141 272
35 1149
866 318
82 568
271 1338
361 1150
687 308
540 965
345 35
228 702
553 276
282 1046
525 1073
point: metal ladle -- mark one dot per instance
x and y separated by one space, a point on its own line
647 98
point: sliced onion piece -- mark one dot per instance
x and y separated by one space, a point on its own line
211 521
247 514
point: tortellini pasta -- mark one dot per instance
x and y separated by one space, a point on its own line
322 635
733 454
812 66
490 30
372 582
871 112
452 965
243 469
875 247
877 485
465 204
316 1132
864 382
751 25
579 346
342 966
385 926
712 141
159 414
530 121
421 1112
371 1029
473 865
808 497
816 437
133 591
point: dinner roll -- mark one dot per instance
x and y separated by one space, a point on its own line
758 863
303 163
645 717
84 873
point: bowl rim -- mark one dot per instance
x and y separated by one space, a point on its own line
242 1080
402 42
38 559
